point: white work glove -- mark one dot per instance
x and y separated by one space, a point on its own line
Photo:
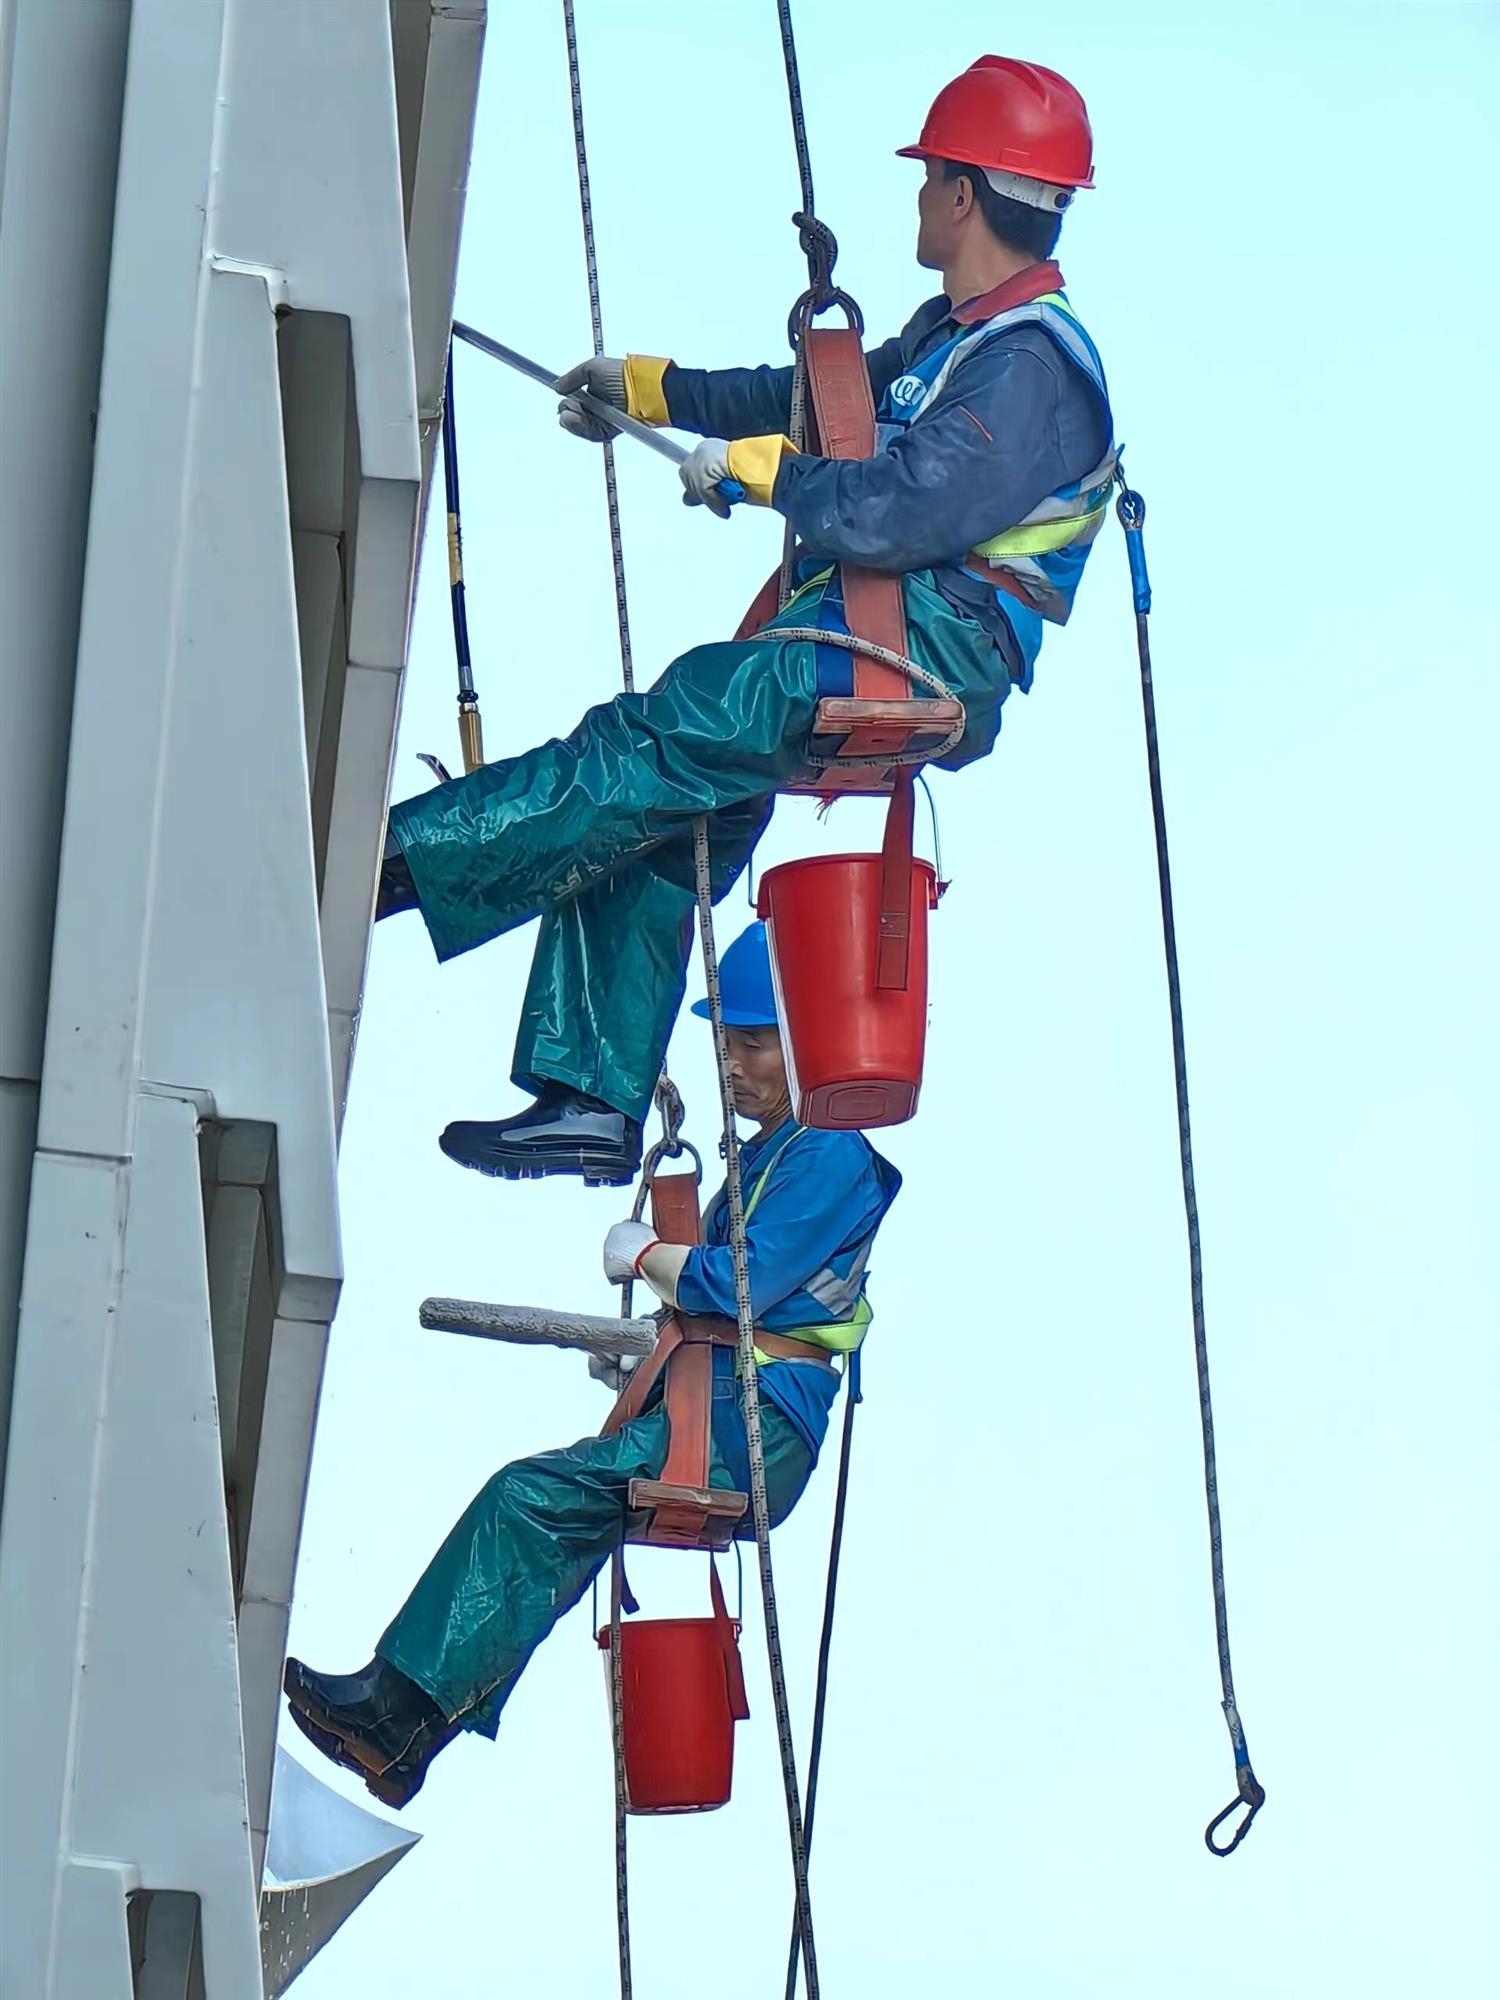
601 376
624 1248
702 473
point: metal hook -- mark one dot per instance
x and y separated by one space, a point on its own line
811 303
1252 1794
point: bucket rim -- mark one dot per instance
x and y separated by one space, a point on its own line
628 1625
831 860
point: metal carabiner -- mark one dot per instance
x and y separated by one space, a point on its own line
1252 1794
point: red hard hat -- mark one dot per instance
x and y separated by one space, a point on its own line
1014 117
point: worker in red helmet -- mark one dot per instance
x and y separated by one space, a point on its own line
989 482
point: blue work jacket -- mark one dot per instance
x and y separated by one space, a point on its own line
818 1199
1016 422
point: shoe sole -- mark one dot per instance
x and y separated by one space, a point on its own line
593 1172
397 1793
310 1710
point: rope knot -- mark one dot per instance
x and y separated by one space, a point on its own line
820 247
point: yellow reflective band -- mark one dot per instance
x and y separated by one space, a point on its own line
755 462
645 400
1042 539
455 560
838 1337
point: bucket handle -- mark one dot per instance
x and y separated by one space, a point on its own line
729 1646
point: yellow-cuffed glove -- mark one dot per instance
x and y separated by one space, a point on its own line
632 385
748 463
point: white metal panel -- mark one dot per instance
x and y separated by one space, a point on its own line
234 1003
60 93
69 1311
159 1771
127 656
293 1383
310 184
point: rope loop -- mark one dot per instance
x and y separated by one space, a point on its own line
1131 509
886 656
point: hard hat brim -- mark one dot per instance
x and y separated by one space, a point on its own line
734 1017
930 153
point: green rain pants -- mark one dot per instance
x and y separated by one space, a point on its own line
593 833
536 1535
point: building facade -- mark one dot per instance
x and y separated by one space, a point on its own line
228 237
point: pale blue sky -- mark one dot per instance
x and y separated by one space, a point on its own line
1289 268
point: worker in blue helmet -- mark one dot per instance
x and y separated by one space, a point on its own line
537 1533
990 479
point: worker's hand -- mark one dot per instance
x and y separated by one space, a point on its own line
719 475
703 473
624 1248
633 385
601 377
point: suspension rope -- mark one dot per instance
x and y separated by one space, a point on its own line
1250 1793
627 676
622 1799
750 1393
794 102
596 320
670 1145
825 1643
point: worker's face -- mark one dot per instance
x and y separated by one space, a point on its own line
943 209
757 1072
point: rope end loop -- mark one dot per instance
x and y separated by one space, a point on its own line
1131 509
1252 1796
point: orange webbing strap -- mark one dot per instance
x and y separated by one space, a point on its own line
729 1643
685 1512
675 1218
873 609
839 386
893 945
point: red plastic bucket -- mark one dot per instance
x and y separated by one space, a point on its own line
854 1049
681 1694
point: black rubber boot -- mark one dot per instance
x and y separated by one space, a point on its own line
399 1783
379 1716
561 1132
397 890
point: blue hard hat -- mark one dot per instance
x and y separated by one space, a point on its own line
745 983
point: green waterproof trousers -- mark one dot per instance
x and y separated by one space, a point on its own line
534 1537
592 832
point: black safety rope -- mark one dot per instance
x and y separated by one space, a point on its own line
825 1642
1250 1793
750 1394
470 728
821 251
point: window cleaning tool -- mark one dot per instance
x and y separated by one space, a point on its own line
665 447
